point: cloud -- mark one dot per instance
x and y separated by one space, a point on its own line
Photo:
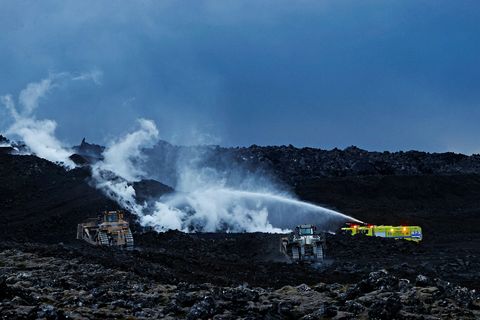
256 72
93 75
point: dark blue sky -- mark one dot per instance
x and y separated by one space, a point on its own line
383 75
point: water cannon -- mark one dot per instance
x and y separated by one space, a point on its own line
357 224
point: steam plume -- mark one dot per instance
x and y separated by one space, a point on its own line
122 156
93 75
205 199
38 135
121 165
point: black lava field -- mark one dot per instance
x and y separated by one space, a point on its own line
45 273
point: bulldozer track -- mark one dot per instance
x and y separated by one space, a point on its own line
102 236
129 240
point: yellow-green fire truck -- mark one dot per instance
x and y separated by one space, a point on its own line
412 233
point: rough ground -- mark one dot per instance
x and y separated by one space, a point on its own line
45 273
220 276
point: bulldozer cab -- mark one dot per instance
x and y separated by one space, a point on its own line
112 216
306 230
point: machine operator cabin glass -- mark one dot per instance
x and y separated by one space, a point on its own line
112 217
305 231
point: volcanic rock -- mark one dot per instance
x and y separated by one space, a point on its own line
41 201
150 189
46 273
90 152
294 165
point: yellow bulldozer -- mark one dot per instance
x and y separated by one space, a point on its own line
110 229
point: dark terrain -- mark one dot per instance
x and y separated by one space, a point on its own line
46 273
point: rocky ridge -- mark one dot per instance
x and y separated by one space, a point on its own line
293 165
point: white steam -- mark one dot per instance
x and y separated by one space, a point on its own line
203 200
30 96
39 134
121 165
123 156
93 75
116 189
210 210
215 207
